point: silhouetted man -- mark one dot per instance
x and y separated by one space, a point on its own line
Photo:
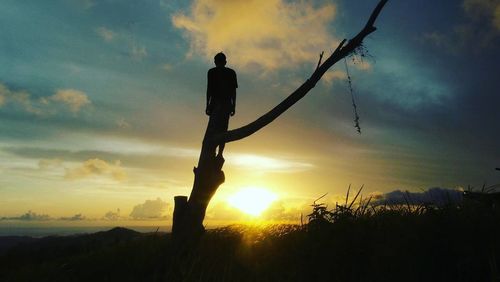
221 97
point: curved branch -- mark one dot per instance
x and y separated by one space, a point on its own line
339 53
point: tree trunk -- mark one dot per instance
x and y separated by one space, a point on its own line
208 176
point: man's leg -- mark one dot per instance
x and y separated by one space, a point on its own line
221 149
224 125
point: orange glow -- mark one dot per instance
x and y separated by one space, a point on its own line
251 200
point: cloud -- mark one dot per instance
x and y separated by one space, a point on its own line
2 96
149 209
483 9
29 216
138 52
481 28
436 196
496 19
83 4
97 167
271 34
435 38
167 67
256 162
106 34
131 152
332 75
111 215
408 86
20 98
76 217
74 99
135 50
122 123
44 164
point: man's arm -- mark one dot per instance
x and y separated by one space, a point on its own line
208 109
233 95
233 101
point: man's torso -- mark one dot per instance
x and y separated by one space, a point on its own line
222 82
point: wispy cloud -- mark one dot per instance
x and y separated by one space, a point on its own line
412 86
2 96
265 33
74 99
76 217
19 98
137 51
44 164
71 99
33 216
483 9
29 216
85 4
264 163
96 166
106 34
480 28
332 75
122 123
167 67
82 4
132 153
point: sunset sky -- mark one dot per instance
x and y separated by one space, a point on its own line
102 103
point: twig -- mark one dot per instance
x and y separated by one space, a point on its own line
320 58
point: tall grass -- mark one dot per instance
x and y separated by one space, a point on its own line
353 241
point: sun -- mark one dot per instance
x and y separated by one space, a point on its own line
252 201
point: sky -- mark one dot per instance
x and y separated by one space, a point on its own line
102 104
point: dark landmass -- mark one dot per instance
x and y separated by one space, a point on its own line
99 239
7 242
348 243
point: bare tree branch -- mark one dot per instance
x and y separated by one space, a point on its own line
320 58
339 53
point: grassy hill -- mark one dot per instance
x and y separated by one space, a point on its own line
385 243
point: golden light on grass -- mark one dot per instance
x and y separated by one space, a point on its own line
252 200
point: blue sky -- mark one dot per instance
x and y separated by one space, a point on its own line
102 102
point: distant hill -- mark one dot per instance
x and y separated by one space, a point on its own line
26 244
348 243
7 242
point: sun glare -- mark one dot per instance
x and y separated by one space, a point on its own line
252 201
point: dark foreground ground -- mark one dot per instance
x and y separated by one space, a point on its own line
454 243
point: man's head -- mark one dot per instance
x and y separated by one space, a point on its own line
220 59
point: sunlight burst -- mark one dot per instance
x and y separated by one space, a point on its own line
252 201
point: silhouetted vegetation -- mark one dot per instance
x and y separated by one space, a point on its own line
353 241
